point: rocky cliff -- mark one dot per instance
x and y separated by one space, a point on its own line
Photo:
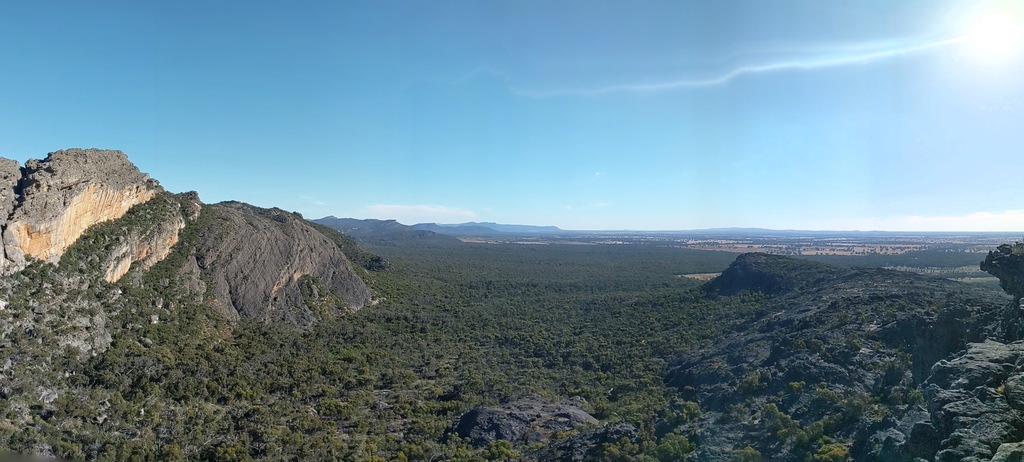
84 209
10 174
152 238
51 202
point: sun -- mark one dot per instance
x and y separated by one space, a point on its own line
995 35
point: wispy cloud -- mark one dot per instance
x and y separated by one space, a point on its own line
808 59
314 201
1008 221
590 206
412 214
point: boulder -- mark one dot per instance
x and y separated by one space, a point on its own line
526 421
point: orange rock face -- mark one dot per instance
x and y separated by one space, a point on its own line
47 240
148 251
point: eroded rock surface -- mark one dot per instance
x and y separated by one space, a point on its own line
526 421
152 240
976 402
271 265
56 199
826 341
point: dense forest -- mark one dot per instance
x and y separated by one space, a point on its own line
456 326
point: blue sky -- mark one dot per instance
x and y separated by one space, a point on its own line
582 114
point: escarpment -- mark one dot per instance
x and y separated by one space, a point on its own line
50 203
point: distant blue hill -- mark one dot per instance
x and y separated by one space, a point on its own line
381 230
486 229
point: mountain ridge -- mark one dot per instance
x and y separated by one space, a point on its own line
383 231
52 203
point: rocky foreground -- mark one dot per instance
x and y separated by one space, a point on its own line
838 364
888 366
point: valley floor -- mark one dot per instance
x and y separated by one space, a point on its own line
458 326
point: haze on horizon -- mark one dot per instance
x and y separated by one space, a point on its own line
800 114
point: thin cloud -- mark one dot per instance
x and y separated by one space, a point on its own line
412 214
845 55
1006 221
314 201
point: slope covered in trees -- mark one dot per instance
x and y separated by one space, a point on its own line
778 358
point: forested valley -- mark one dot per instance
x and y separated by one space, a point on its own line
602 336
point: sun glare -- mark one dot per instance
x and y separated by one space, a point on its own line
995 35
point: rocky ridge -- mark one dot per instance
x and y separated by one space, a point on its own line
92 212
50 203
841 352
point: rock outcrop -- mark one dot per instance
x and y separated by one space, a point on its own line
68 296
56 199
529 420
10 174
975 404
824 343
772 275
1007 264
587 445
151 240
271 265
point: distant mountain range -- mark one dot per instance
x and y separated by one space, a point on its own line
371 230
486 229
392 230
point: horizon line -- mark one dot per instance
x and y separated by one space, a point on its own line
678 230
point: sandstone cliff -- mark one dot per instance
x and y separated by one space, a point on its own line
151 237
271 265
54 200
